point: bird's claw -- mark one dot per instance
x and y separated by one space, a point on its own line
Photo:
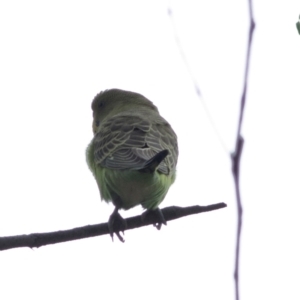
157 214
116 224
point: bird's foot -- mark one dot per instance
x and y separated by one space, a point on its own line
155 214
116 224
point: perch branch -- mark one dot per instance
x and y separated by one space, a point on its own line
42 239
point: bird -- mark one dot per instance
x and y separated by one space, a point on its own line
133 154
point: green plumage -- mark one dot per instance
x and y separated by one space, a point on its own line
134 152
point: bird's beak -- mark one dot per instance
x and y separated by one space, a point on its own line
96 124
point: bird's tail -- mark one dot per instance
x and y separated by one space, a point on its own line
154 162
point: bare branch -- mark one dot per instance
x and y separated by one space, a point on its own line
236 156
42 239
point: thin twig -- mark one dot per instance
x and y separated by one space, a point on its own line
42 239
196 85
236 155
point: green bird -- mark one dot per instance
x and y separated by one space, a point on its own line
133 154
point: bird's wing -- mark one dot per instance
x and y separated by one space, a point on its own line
163 137
128 142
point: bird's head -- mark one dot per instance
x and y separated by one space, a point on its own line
111 102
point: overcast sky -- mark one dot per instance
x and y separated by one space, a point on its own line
57 55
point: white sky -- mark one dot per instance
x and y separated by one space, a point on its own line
55 57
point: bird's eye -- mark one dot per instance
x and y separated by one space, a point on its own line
100 104
97 123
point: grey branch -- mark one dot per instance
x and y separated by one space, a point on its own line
42 239
236 155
